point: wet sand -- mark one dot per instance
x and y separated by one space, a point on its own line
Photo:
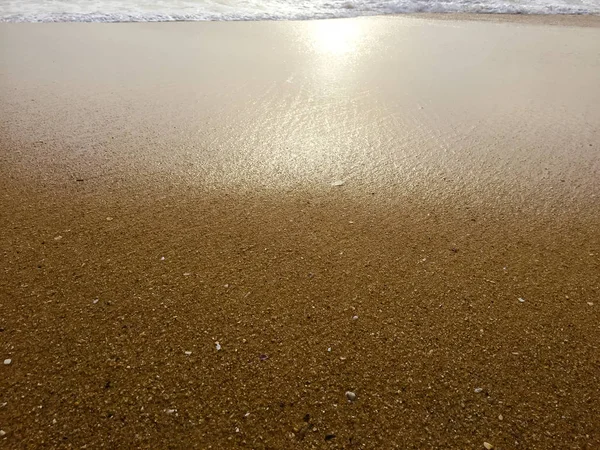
168 187
568 20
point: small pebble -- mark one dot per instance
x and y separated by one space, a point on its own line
162 258
522 300
478 390
170 411
58 238
488 446
2 433
7 362
355 318
500 417
351 396
188 353
590 303
218 346
338 183
95 301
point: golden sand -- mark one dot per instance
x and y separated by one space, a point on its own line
403 209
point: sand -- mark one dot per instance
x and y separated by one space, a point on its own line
168 187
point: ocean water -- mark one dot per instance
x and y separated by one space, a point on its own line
193 10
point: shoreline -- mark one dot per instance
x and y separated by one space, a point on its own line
572 20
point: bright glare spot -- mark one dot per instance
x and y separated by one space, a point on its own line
336 36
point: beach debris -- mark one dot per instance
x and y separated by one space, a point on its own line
338 183
263 357
7 361
95 301
590 303
354 317
170 411
237 430
187 274
329 437
218 346
247 414
522 300
500 417
109 218
58 238
2 433
329 349
226 286
300 431
306 417
162 258
488 446
478 390
188 353
351 396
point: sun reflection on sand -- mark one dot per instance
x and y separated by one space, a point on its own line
336 37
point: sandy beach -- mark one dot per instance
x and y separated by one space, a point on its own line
212 232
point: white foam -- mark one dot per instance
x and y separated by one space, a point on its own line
198 10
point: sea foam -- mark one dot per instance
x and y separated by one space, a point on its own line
199 10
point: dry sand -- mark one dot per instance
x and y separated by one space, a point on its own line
165 187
